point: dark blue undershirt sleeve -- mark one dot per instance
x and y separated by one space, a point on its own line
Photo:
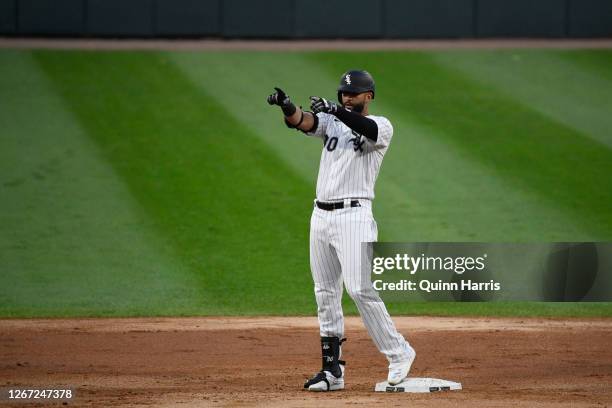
359 123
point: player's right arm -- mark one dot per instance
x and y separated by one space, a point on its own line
295 117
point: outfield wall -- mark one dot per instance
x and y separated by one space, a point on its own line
308 18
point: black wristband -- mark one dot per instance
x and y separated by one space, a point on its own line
288 109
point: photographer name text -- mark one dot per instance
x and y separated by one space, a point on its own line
422 263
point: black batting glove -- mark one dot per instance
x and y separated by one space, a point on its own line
281 99
318 104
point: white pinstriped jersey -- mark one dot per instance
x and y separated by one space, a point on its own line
349 162
338 258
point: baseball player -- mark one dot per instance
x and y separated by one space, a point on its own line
342 227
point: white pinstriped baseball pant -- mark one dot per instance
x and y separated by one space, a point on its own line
338 256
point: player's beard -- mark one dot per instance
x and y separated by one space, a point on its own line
356 108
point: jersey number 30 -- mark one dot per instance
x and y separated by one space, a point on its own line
330 143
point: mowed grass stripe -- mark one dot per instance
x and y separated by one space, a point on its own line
241 81
528 151
598 62
568 87
72 240
428 191
234 213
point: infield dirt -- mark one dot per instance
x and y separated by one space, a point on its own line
264 361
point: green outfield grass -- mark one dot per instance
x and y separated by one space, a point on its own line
157 183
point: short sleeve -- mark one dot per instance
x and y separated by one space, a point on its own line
385 131
324 119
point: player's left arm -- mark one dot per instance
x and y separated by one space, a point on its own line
357 122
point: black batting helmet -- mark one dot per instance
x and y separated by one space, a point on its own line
356 81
